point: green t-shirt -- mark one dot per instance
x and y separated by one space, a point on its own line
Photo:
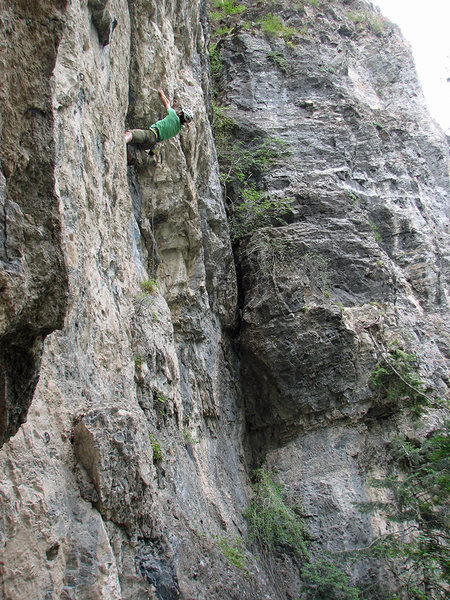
169 126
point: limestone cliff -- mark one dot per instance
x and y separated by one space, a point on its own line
166 354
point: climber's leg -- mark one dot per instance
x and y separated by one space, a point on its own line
145 139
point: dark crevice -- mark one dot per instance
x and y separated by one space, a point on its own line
20 359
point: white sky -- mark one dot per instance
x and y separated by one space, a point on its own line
426 26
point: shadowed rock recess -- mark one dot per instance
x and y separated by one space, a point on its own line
171 326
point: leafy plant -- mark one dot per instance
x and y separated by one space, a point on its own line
159 396
352 197
241 162
278 528
417 551
272 523
375 23
279 59
222 125
233 551
189 438
225 15
138 360
156 446
258 210
273 25
149 286
215 63
314 266
226 8
376 233
241 170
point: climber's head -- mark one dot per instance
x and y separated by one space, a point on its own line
186 115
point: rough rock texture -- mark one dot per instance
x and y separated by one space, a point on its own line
361 262
173 373
130 466
32 272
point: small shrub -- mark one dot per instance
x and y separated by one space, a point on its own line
160 396
352 197
244 163
277 527
376 233
215 63
377 24
273 26
258 210
156 446
227 14
268 251
324 579
374 23
222 126
189 438
233 551
138 361
149 286
279 59
272 523
396 380
315 267
227 8
141 302
242 168
418 551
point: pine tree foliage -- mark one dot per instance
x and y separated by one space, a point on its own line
397 381
418 551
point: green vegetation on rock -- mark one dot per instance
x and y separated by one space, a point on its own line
233 551
397 382
272 523
417 549
277 528
156 446
416 488
149 286
274 26
323 578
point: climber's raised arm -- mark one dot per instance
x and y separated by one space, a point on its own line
164 129
164 99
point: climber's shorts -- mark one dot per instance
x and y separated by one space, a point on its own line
145 139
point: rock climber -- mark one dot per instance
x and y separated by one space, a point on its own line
170 126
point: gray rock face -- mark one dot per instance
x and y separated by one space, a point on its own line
168 372
360 261
32 272
130 466
367 242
